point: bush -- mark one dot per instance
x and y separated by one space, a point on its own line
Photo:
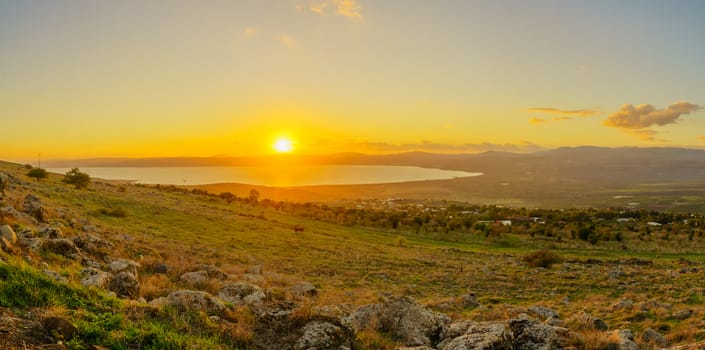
542 258
114 212
77 178
38 173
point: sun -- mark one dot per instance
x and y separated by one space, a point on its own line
283 145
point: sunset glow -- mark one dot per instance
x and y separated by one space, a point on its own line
204 78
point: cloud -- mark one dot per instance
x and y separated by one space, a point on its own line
573 112
646 115
561 118
537 120
250 31
289 41
429 146
319 8
701 138
637 120
348 8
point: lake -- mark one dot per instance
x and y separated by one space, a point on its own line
270 175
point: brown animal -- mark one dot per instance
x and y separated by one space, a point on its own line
298 229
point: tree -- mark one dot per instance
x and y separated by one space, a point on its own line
77 178
4 181
38 173
228 197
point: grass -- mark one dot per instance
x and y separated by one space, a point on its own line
349 266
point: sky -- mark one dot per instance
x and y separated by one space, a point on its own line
146 78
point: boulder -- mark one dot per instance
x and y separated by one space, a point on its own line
485 335
682 315
50 232
59 327
33 207
55 276
624 339
304 289
191 300
652 337
8 233
124 265
623 304
194 278
125 285
94 277
10 212
403 318
543 312
160 268
468 301
529 334
321 335
242 294
62 246
213 272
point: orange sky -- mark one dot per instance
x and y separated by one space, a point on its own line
83 79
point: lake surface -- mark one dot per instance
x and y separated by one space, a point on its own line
271 175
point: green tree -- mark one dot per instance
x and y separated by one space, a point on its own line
77 178
38 173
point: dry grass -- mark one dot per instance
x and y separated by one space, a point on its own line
155 286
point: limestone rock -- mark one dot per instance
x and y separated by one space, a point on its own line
59 327
95 277
51 232
485 335
194 278
33 207
125 285
321 335
213 272
652 337
543 312
55 276
304 289
403 318
8 233
191 300
62 246
124 265
530 334
242 294
624 339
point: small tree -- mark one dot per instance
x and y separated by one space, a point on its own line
38 173
254 196
77 178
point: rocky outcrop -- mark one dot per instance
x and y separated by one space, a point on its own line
62 246
125 285
401 317
624 339
33 207
94 277
322 335
242 294
191 300
652 337
124 265
485 335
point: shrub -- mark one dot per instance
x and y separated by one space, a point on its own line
542 258
77 178
114 212
38 173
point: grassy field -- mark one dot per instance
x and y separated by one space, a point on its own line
354 266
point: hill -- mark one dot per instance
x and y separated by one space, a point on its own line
133 267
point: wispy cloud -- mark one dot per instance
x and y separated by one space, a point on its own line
537 120
288 41
348 8
561 118
637 120
567 112
429 146
249 31
345 8
701 138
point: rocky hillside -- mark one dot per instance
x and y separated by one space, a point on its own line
80 275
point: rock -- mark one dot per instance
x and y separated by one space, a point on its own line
543 312
320 335
50 232
555 321
242 294
468 301
194 278
414 348
652 337
160 268
213 272
623 304
33 244
59 327
33 207
8 233
62 246
6 246
125 285
403 318
624 339
55 276
302 289
10 212
158 302
94 277
530 334
124 265
682 315
617 273
587 321
191 300
485 335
